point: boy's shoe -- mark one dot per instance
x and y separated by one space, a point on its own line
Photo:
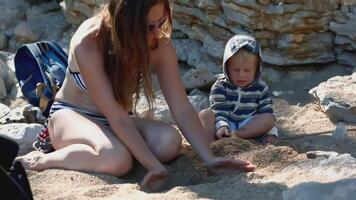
273 131
270 136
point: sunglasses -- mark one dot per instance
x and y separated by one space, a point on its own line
157 24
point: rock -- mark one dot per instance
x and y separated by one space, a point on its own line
342 189
28 32
7 70
23 134
16 92
318 154
290 32
3 41
196 57
3 92
340 131
345 40
39 11
271 75
23 114
11 12
322 169
76 11
49 26
4 110
198 78
37 1
161 110
199 100
336 97
347 58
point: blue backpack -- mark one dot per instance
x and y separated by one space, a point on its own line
40 69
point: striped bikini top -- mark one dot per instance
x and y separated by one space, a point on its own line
80 82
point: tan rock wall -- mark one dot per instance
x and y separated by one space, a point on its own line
290 31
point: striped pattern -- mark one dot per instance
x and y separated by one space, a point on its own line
80 82
231 103
140 81
43 142
58 105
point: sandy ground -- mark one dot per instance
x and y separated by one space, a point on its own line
299 120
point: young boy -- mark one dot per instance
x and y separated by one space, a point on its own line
240 105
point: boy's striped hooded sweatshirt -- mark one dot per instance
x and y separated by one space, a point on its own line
233 103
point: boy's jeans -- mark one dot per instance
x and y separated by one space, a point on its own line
234 126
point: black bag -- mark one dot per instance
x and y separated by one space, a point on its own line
13 177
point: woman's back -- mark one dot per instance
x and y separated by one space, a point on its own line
73 90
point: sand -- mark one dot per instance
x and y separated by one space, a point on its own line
301 125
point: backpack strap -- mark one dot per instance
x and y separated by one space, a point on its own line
43 90
36 52
43 99
40 91
46 46
47 49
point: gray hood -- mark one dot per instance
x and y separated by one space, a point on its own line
236 43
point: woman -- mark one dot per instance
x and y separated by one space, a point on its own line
111 58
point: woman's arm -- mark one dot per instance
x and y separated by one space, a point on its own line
90 64
166 67
185 115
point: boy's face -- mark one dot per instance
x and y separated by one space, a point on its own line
242 70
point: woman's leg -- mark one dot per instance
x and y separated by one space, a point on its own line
81 144
207 118
164 141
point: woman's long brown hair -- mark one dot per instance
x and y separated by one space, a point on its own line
123 38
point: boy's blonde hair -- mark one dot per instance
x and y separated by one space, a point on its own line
246 54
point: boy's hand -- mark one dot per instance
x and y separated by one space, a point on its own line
223 132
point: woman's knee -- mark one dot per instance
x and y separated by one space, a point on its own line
168 145
56 126
113 161
110 156
206 115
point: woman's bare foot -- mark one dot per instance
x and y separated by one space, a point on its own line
154 180
31 160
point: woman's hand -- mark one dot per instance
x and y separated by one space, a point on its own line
223 166
154 179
